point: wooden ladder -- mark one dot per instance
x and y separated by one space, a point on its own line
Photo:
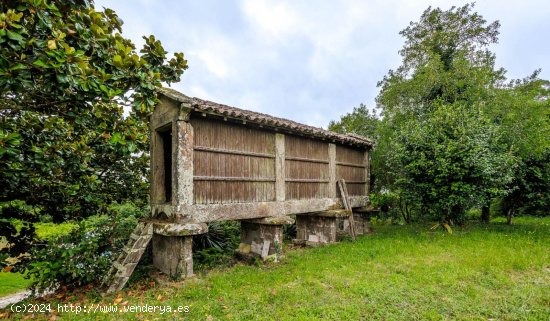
127 261
345 200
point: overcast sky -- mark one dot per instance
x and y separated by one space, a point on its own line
311 61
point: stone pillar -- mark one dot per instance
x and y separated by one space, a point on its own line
362 219
263 237
333 192
173 247
280 192
318 228
362 225
173 255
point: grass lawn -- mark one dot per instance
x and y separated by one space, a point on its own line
14 282
11 283
480 272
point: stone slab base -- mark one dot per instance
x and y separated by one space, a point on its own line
315 229
362 225
264 240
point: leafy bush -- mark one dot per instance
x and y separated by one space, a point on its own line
85 254
289 231
217 246
388 204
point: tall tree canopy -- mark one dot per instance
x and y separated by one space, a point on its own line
66 75
455 133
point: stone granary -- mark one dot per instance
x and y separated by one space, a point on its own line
212 162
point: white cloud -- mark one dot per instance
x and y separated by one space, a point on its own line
277 19
306 60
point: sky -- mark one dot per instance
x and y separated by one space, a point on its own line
311 61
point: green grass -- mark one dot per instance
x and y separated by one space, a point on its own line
479 272
11 283
15 282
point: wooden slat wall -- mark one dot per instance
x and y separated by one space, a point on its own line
350 166
225 156
307 162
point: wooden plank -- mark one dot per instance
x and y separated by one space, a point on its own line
307 180
232 152
307 160
350 164
234 179
345 200
128 259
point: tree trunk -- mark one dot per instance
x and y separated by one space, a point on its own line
510 215
485 214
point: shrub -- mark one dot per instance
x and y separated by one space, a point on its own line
86 253
216 247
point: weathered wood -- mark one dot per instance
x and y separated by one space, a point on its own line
350 164
234 179
232 152
307 175
307 180
128 259
345 200
246 173
307 160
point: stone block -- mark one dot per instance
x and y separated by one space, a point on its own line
316 229
173 255
261 239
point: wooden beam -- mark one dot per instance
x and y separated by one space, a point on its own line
234 179
307 160
232 152
307 180
347 206
350 165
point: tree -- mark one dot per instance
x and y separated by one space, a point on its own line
66 75
364 122
523 114
444 150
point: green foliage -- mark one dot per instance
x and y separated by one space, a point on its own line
216 248
85 254
289 232
449 162
360 121
67 75
453 134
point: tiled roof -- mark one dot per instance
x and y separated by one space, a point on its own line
201 105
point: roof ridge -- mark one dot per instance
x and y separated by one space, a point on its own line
265 119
